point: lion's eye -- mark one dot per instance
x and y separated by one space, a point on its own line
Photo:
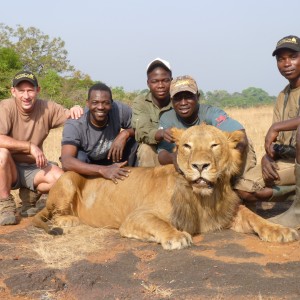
187 146
214 145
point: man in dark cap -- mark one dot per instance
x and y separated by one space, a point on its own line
24 125
280 166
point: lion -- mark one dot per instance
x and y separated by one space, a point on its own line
165 204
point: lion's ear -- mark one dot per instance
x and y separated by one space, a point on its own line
177 133
236 137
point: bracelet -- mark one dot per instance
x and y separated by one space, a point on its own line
29 147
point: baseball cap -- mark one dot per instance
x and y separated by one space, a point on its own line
24 76
182 84
289 42
159 61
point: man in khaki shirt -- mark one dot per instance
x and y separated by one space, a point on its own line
274 179
147 110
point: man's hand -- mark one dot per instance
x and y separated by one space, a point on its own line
167 135
114 172
269 170
76 112
40 158
116 150
270 138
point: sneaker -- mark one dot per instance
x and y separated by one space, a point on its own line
8 211
29 199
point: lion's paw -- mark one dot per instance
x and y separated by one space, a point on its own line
279 234
66 221
178 241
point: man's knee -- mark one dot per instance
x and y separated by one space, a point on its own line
47 178
56 172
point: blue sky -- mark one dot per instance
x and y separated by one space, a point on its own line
223 44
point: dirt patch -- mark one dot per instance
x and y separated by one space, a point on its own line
90 263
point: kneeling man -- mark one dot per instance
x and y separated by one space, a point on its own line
102 141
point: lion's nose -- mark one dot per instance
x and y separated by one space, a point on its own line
200 167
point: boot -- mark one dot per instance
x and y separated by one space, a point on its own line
29 200
8 211
291 217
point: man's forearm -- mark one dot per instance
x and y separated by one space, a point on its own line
165 157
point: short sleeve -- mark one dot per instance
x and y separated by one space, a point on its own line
71 134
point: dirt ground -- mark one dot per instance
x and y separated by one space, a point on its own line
88 263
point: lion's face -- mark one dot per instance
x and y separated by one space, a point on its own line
206 156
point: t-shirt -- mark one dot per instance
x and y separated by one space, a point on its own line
92 140
33 126
290 111
209 114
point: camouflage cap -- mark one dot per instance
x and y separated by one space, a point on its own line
182 84
289 42
25 76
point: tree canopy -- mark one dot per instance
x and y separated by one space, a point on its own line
36 50
10 63
249 97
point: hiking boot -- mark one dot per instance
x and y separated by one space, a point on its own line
29 199
8 211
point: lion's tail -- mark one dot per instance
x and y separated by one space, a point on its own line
40 219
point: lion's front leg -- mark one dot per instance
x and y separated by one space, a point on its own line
147 226
246 222
62 200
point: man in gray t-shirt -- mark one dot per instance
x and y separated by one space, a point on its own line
102 141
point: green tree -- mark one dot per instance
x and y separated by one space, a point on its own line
75 89
256 94
51 85
10 64
118 93
37 51
216 97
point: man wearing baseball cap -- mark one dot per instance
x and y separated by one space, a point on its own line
147 108
24 125
25 76
280 166
188 112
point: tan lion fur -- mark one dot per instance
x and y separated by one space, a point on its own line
162 204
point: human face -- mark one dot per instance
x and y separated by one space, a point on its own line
99 104
159 81
288 63
25 95
186 105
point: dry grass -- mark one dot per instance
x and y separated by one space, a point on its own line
62 251
155 290
52 144
257 121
